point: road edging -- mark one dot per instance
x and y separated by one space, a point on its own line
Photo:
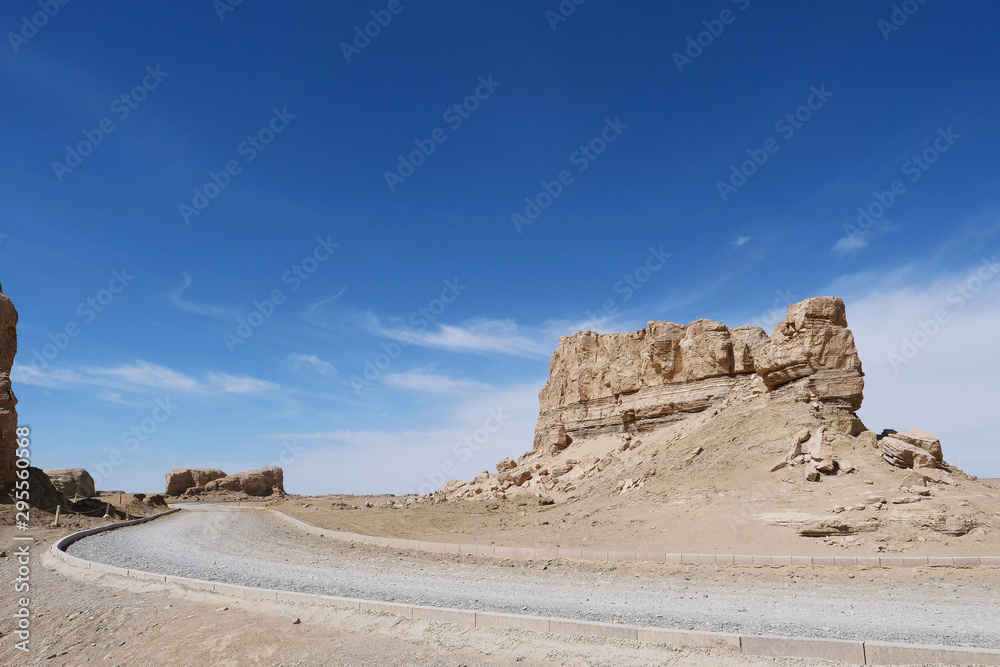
852 651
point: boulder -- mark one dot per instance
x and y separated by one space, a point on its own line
180 480
506 464
868 439
560 470
453 485
820 450
515 477
8 413
905 455
260 482
922 439
42 493
72 482
838 526
551 439
794 444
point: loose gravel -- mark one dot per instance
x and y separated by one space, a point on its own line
254 548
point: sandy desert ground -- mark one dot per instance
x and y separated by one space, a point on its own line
111 620
704 505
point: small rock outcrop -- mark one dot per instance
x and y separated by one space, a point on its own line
72 482
260 482
180 480
916 449
640 380
906 448
8 413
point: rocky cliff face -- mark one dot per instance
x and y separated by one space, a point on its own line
72 482
8 413
195 481
259 482
636 381
180 480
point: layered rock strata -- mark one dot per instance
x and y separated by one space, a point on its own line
260 482
635 381
180 480
8 413
72 482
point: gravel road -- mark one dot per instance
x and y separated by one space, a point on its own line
254 548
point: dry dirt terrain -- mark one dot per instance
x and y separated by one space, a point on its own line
703 505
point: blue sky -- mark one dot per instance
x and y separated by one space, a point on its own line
237 209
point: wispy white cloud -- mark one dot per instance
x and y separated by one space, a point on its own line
483 336
140 374
741 241
241 384
140 377
217 312
853 243
859 239
321 312
421 381
56 378
117 397
299 362
310 435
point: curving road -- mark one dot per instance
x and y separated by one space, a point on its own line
254 548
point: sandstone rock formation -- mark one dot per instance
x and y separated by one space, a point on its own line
704 406
904 449
260 482
904 455
180 480
8 413
637 381
72 482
